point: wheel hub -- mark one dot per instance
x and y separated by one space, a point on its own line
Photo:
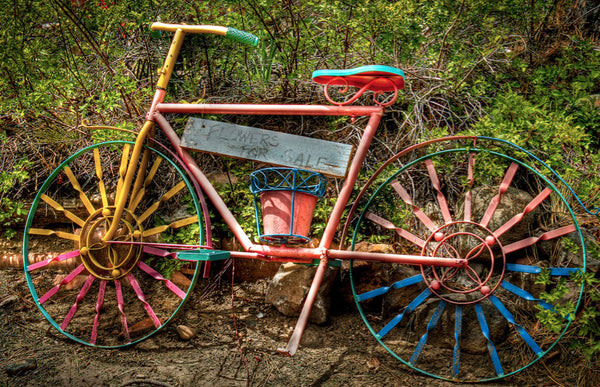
106 260
483 252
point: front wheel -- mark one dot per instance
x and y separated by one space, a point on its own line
111 293
482 200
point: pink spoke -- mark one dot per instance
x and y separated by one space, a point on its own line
390 226
544 237
58 258
517 218
405 196
435 181
508 177
156 275
80 296
158 252
469 194
121 307
65 281
140 295
99 304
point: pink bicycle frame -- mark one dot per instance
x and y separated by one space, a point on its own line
283 253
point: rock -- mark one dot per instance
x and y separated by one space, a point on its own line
179 279
185 332
21 367
290 285
374 247
252 270
8 300
373 364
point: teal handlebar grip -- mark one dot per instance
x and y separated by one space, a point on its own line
242 36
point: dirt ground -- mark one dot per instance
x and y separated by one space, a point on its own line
230 349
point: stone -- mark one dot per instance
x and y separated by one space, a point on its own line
290 285
512 202
8 300
179 279
21 368
252 270
185 332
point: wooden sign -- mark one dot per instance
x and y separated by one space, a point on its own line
245 142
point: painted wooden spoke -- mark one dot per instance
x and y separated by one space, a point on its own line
405 196
441 198
469 193
98 309
138 192
122 169
517 218
165 197
99 175
400 231
508 177
77 187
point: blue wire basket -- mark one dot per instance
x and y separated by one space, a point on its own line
287 198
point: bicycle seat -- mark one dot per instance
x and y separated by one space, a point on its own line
379 75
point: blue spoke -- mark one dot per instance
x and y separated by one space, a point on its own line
397 285
432 323
409 308
559 271
486 333
525 295
457 333
509 317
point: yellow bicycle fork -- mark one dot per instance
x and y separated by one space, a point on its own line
128 169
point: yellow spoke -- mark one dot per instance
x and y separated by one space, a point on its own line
77 187
60 234
122 170
71 216
100 175
139 194
168 195
176 224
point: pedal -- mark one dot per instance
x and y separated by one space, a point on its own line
203 255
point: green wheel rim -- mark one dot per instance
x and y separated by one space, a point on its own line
360 297
181 294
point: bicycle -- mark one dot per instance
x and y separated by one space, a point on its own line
436 205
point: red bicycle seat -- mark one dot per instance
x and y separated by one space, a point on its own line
379 75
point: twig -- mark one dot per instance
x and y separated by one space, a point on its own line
462 6
146 381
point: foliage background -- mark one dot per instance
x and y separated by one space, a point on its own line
528 72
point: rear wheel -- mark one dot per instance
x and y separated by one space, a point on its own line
111 293
483 201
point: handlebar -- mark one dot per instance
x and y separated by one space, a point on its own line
229 32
